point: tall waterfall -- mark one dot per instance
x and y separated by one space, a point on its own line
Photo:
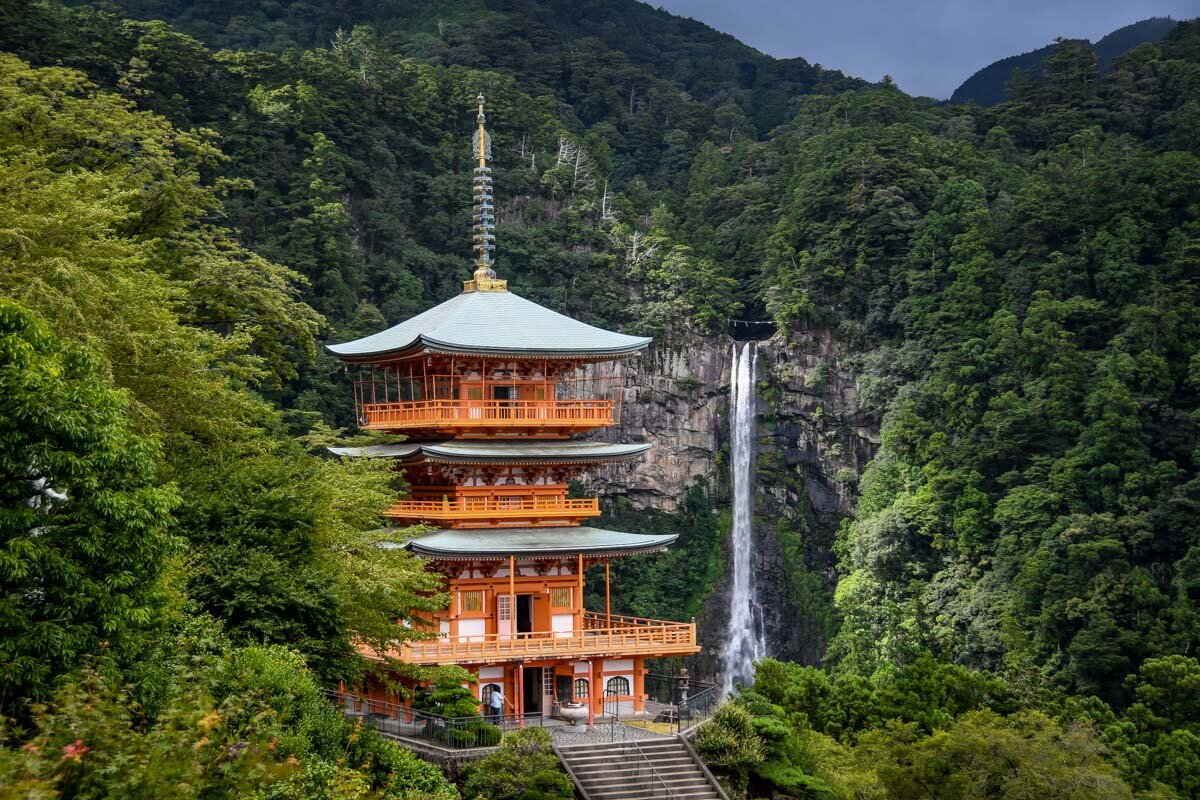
744 645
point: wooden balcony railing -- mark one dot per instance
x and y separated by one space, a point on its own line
647 637
488 414
496 508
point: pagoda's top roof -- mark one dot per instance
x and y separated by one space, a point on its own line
490 323
461 545
487 452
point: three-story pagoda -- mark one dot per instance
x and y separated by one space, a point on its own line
491 391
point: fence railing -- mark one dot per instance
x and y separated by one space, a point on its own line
488 413
494 507
679 701
645 637
456 733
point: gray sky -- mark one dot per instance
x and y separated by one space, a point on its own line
928 46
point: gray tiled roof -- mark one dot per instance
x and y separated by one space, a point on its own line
490 323
497 451
526 542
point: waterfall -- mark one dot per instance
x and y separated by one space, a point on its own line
744 644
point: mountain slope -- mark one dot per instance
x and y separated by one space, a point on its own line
987 87
627 45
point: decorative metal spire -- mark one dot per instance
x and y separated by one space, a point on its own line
484 231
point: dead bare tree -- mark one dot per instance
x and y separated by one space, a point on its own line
574 156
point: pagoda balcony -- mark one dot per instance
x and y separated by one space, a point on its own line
603 636
501 510
484 416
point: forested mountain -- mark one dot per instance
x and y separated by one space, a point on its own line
603 59
989 86
1014 290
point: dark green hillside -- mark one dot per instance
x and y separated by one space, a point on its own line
597 56
989 86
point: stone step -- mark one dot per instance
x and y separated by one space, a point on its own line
645 771
652 794
695 779
649 793
619 758
595 776
669 741
635 775
697 783
609 761
619 747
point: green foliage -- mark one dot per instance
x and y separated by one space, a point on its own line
932 729
1034 332
729 740
84 533
249 722
523 768
984 755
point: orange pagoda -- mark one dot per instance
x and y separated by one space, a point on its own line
491 392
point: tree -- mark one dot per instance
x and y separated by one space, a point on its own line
84 532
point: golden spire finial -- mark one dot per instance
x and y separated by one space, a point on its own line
484 235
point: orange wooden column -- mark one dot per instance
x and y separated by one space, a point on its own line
591 694
639 684
597 695
519 698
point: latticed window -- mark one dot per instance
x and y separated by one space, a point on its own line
471 601
618 685
581 688
560 597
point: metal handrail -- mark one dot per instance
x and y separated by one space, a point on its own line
405 722
683 699
653 768
709 698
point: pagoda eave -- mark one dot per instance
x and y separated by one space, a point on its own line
490 325
460 451
540 543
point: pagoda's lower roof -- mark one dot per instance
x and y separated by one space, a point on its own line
497 452
496 544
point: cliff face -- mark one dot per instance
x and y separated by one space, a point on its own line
813 442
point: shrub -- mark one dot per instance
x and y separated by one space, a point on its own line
524 768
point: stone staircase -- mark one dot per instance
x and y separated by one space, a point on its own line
659 769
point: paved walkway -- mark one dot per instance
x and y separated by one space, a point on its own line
603 734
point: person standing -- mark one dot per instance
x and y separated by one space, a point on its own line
496 705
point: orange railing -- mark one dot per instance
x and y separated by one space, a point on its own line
594 620
495 507
488 413
648 637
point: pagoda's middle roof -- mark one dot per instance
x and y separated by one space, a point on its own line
490 323
536 543
497 451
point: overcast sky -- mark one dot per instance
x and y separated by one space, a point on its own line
928 46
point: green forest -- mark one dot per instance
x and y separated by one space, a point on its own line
195 196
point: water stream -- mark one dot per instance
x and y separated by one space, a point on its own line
744 644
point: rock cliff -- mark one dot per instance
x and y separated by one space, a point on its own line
813 442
